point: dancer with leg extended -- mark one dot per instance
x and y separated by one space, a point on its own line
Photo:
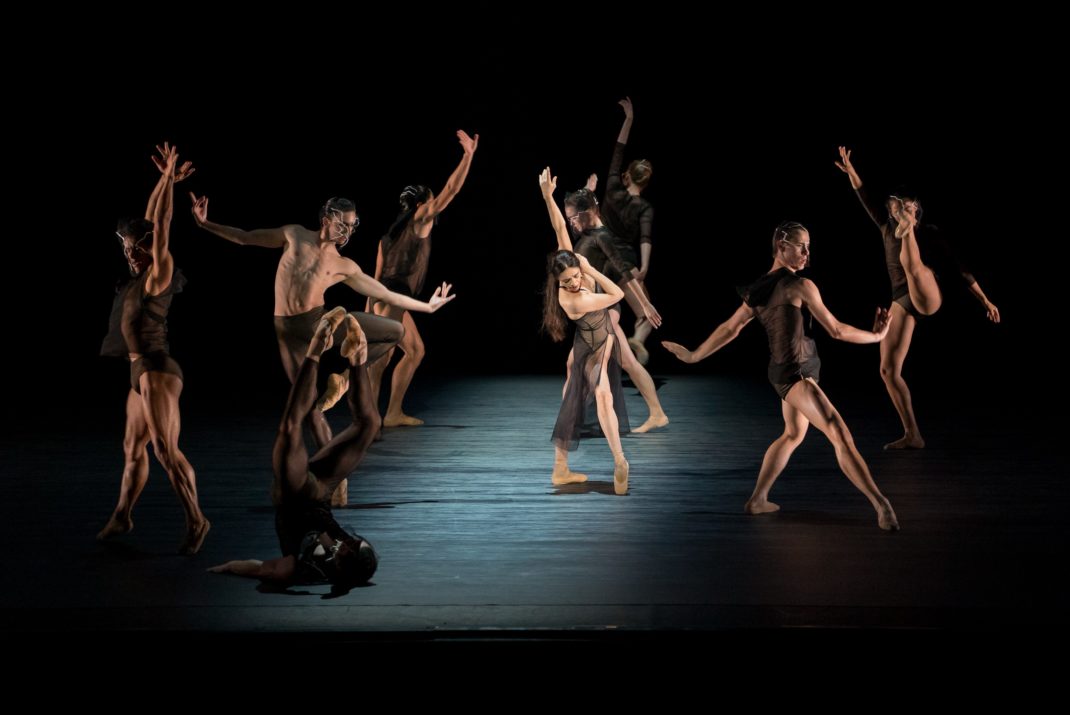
315 548
777 300
912 250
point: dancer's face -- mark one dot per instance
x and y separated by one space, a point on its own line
579 221
341 225
795 250
138 251
571 279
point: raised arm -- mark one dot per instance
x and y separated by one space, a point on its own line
266 237
845 165
364 284
577 304
547 184
434 207
181 173
626 128
725 333
841 331
163 265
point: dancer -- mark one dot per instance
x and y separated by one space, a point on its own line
309 265
910 248
630 218
597 244
315 548
777 300
138 331
596 353
401 266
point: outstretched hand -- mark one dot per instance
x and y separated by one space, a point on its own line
200 208
592 182
992 311
844 164
547 183
882 322
679 351
626 105
169 156
468 143
441 296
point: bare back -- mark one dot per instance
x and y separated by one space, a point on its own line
307 268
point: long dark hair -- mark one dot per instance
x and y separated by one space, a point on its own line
554 320
407 201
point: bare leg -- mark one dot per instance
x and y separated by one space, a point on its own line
642 380
636 342
412 347
894 350
607 418
135 469
810 400
924 290
776 458
159 393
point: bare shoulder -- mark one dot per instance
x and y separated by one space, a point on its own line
298 234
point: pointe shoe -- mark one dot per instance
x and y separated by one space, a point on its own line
337 384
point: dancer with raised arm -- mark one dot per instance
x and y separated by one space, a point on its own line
595 242
401 266
777 300
912 250
138 332
571 285
630 218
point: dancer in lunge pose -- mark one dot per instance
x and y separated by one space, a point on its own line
777 300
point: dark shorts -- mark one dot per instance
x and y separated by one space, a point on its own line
812 368
152 362
907 304
294 333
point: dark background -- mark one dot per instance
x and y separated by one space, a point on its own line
741 126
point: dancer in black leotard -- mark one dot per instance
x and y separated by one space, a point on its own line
777 299
402 267
631 218
916 256
315 548
138 332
